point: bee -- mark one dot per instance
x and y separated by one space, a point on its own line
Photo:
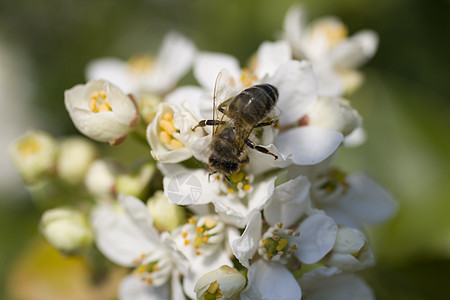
239 116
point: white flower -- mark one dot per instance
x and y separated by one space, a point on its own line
145 73
223 283
170 134
125 235
326 44
350 251
74 158
66 229
34 155
203 241
234 199
351 200
101 111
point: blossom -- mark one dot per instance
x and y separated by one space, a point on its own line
125 234
143 73
166 216
101 111
100 179
66 229
34 155
326 44
351 200
170 134
203 241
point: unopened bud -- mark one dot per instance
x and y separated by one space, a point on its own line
166 216
66 229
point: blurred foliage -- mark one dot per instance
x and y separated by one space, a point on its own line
404 103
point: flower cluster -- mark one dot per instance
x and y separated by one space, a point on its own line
282 223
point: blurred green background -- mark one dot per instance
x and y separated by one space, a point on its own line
404 103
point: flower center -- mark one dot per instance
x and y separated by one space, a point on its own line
167 130
330 185
239 182
329 32
276 244
141 63
153 269
203 233
248 78
99 102
29 146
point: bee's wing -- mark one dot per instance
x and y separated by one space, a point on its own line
224 89
275 113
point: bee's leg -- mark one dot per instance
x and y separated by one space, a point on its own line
245 160
204 123
259 148
268 123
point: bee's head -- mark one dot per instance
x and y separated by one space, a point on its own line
226 165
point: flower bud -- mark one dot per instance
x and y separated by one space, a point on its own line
350 251
100 179
334 113
66 229
148 106
166 216
75 156
101 111
34 155
135 184
223 283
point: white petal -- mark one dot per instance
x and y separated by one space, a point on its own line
261 162
317 237
294 26
113 70
140 215
132 288
208 64
297 87
270 56
188 97
190 187
366 200
174 60
176 287
289 202
339 287
117 236
268 281
356 50
245 246
308 145
329 83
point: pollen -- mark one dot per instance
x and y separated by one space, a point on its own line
99 102
184 235
246 187
248 78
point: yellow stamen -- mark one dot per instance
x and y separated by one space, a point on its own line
236 177
141 63
246 187
165 137
167 116
167 126
210 223
187 242
191 220
99 102
213 287
230 191
199 229
176 144
184 235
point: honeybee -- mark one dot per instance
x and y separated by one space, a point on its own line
233 122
